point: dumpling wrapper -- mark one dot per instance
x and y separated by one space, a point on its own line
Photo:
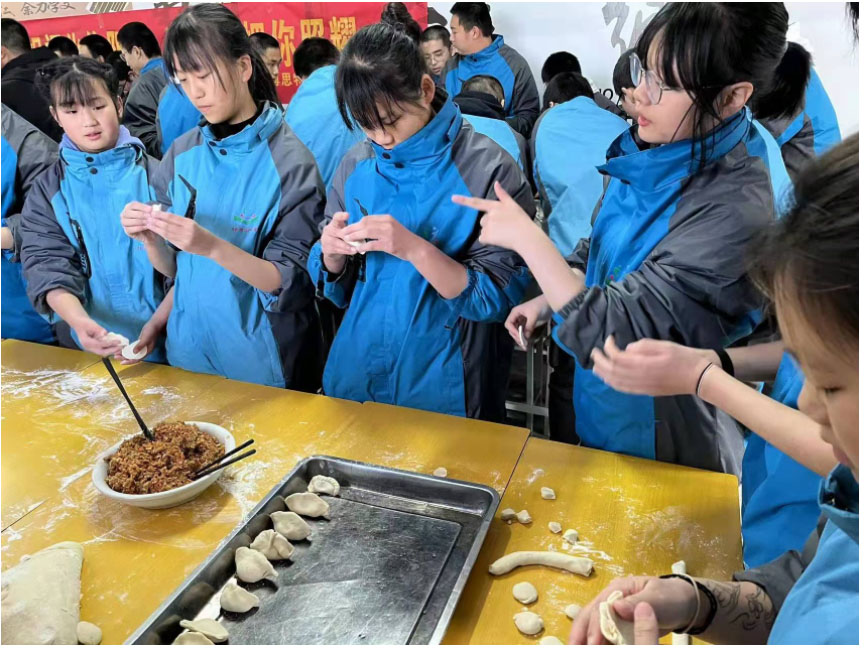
129 352
617 631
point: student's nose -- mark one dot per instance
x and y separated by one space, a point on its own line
639 93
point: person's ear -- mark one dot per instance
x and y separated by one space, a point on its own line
476 32
4 55
245 67
734 97
118 103
428 89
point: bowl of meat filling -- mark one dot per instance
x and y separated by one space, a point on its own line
159 474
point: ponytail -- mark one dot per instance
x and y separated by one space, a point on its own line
784 98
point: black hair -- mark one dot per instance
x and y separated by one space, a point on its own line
484 83
557 63
565 87
137 34
810 256
71 80
854 16
474 14
380 65
786 97
397 15
703 47
262 41
63 46
622 72
14 36
98 46
121 72
208 32
436 32
314 53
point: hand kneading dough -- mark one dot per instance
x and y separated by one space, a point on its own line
252 566
187 638
273 545
211 629
547 493
575 564
528 623
572 611
550 640
88 634
291 525
235 598
508 515
308 504
324 485
441 471
524 517
40 597
525 593
615 630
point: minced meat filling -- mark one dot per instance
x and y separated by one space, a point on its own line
141 467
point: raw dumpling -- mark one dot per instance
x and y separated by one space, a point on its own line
555 527
308 504
235 598
211 629
525 593
291 525
324 485
187 638
273 545
617 631
88 634
524 517
547 493
529 623
252 566
508 515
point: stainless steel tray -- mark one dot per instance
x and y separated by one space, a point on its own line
387 568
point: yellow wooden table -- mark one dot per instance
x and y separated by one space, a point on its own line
632 516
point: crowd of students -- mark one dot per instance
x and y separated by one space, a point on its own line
376 240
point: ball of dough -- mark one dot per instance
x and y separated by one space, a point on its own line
252 566
524 517
550 640
525 593
291 525
187 638
547 493
89 634
570 535
571 611
210 628
529 623
508 515
235 598
441 471
324 485
273 545
308 504
555 527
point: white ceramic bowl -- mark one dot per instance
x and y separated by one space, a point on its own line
169 498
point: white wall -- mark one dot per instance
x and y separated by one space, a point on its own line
536 29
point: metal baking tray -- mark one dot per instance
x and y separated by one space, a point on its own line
387 568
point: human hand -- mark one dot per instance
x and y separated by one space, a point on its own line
134 218
184 233
383 233
529 314
504 223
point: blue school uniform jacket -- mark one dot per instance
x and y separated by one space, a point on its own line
26 152
500 132
666 260
511 69
568 144
175 115
400 342
315 118
258 189
71 237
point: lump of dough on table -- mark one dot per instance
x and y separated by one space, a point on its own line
574 564
273 545
308 504
555 527
41 597
525 593
529 623
571 611
187 638
235 598
547 493
617 631
524 517
88 634
508 515
291 525
210 628
550 640
570 535
324 485
441 471
252 566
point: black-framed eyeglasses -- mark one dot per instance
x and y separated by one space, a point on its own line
654 86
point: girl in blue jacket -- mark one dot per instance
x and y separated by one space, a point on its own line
240 198
77 262
685 191
424 298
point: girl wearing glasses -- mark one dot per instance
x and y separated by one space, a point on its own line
685 191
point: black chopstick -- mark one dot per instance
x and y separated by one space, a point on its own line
203 473
226 455
107 362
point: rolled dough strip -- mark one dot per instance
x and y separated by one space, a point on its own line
617 631
574 564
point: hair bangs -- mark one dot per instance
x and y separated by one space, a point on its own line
187 49
360 95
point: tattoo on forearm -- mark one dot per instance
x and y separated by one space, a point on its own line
749 610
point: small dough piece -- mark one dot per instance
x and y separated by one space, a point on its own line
252 566
524 517
508 515
547 493
574 564
525 593
187 638
529 623
235 598
130 353
291 525
309 505
571 611
117 337
324 485
570 535
550 640
615 630
441 471
273 545
89 634
555 527
679 567
211 629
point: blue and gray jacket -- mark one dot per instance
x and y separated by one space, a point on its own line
511 69
568 144
666 260
817 591
71 237
175 115
315 118
139 113
400 342
500 132
26 153
260 190
811 131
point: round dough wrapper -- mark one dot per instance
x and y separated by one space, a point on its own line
129 352
525 593
529 623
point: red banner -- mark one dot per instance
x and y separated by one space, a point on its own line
288 22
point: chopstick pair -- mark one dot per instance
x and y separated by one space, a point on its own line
213 466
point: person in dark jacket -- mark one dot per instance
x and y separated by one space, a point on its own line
95 46
423 297
142 53
268 49
20 65
436 45
63 46
480 51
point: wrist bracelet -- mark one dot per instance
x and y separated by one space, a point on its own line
701 378
714 606
725 359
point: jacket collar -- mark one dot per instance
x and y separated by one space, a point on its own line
839 499
259 131
151 65
663 165
488 52
480 104
127 149
24 66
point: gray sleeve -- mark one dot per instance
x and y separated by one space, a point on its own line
139 114
523 146
524 97
579 257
